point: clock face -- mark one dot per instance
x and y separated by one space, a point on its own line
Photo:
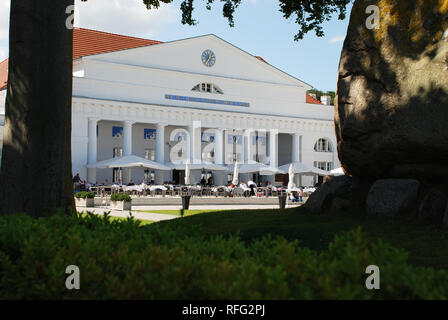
208 58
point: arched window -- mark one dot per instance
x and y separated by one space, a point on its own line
207 87
323 145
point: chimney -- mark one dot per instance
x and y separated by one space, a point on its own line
326 100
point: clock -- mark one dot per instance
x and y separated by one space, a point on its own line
208 58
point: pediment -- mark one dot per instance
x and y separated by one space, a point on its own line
186 56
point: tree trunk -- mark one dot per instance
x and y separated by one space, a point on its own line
36 166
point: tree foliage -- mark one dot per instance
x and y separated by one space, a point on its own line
308 14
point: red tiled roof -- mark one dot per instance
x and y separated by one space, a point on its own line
260 58
3 74
311 99
87 42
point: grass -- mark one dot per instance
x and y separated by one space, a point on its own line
142 222
425 243
112 218
178 212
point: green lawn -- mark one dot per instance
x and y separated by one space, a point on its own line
142 222
178 212
427 244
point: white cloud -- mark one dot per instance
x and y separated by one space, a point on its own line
4 18
129 17
337 39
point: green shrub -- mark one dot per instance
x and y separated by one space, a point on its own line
84 195
123 260
120 197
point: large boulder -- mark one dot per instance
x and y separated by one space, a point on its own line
391 197
337 189
391 109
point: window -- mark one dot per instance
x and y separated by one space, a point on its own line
327 166
117 175
323 145
207 176
150 154
207 87
149 176
118 152
117 172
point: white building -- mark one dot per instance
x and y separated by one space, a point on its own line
200 98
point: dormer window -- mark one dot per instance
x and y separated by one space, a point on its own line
207 87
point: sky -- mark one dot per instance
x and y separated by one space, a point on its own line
260 29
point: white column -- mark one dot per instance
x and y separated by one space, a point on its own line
195 142
219 178
160 143
127 146
219 152
295 156
92 149
248 146
273 147
127 137
160 152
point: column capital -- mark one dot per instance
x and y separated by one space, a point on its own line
129 122
161 124
93 119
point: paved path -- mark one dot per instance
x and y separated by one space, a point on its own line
125 214
209 207
161 216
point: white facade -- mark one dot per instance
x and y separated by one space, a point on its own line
140 101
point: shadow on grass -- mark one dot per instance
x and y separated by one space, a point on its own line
425 243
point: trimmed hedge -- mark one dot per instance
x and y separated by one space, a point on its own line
84 195
122 260
121 197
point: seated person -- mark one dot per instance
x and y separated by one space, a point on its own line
252 187
131 183
246 190
143 182
293 197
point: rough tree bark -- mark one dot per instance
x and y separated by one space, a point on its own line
36 166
